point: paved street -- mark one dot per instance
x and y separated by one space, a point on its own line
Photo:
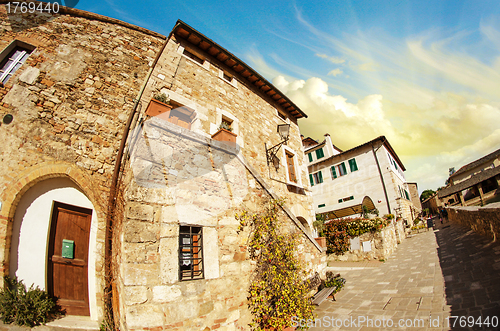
432 276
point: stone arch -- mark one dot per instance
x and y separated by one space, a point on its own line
28 178
305 224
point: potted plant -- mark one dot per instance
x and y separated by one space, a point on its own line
225 133
159 106
319 225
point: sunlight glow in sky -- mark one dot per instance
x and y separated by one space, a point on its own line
426 74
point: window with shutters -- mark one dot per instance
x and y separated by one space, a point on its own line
317 178
309 155
190 253
319 153
341 169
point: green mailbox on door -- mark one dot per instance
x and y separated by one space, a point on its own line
68 249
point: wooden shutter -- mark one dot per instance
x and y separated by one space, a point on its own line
291 167
311 179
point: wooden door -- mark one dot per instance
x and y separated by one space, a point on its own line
67 278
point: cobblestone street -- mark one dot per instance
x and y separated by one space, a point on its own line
432 276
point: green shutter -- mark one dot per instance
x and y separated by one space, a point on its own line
311 180
320 177
319 153
353 165
334 174
310 157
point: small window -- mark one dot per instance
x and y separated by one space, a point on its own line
282 116
319 153
181 115
226 76
318 177
14 57
190 253
291 167
334 173
193 57
226 123
321 206
352 165
309 155
340 200
348 198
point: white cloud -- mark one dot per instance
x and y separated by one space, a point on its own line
335 72
332 59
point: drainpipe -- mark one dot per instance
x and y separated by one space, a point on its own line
110 302
380 173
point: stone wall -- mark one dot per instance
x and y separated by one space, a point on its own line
383 244
68 101
179 177
483 220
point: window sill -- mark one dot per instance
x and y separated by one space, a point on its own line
295 188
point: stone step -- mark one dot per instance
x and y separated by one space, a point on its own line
67 323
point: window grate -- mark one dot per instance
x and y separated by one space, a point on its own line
190 253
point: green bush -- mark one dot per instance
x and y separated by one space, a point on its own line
25 307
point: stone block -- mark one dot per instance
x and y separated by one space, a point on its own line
140 231
140 274
169 230
29 75
135 295
140 212
144 316
169 270
165 293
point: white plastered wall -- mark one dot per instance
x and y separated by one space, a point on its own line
30 233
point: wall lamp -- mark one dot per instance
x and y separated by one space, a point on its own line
284 132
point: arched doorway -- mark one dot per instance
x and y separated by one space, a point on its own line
51 214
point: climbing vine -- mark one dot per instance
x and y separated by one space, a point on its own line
277 290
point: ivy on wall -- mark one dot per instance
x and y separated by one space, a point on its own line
277 290
338 232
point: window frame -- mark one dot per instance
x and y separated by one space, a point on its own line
341 166
195 253
7 53
318 177
290 164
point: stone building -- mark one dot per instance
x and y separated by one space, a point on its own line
474 184
415 197
370 175
123 200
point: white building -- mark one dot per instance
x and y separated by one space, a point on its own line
370 175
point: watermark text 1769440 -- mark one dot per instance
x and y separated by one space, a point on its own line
31 7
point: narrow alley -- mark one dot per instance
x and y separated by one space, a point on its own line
436 280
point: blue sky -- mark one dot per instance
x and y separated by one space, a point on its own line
426 74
